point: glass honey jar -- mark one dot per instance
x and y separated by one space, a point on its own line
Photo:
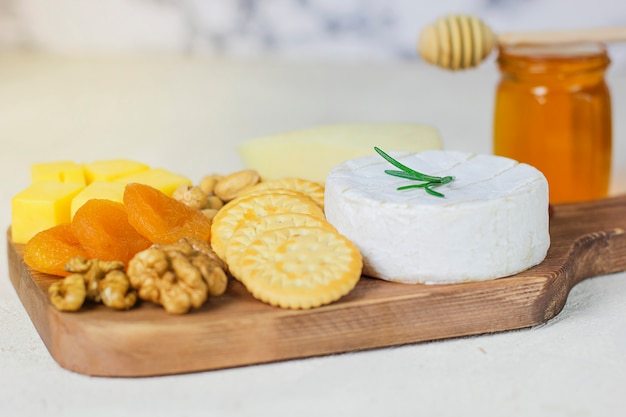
553 111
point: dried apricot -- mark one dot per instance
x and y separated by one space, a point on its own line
102 228
163 219
49 250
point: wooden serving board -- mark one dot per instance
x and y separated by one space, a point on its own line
588 239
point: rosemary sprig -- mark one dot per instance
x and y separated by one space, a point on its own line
428 181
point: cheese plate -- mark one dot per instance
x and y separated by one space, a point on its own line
587 239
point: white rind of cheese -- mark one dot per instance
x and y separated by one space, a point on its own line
492 223
311 153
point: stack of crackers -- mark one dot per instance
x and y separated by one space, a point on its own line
277 243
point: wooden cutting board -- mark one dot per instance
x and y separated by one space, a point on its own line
588 239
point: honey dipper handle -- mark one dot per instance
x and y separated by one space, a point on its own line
603 35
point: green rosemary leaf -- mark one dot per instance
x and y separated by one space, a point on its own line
429 190
429 181
415 175
400 174
406 187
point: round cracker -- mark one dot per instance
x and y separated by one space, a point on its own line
300 267
253 208
247 232
261 191
312 189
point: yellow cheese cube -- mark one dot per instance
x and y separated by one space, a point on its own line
61 171
113 191
41 206
311 153
159 178
112 169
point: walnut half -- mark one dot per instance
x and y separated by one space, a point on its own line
95 280
69 293
93 271
179 276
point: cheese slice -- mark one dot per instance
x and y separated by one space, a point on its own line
492 222
311 153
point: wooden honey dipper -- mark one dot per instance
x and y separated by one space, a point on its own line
463 41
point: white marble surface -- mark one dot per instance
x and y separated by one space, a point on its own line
367 30
186 114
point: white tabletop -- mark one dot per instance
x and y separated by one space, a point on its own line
186 115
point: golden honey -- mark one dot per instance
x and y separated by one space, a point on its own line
553 111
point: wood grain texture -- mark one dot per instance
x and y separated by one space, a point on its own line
588 239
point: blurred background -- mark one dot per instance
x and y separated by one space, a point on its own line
151 79
336 30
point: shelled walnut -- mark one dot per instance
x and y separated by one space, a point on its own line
69 293
178 276
204 247
115 291
95 280
93 271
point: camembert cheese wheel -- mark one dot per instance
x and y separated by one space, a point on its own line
492 222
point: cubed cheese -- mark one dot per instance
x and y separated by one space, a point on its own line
159 178
113 191
60 171
41 206
311 153
112 169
